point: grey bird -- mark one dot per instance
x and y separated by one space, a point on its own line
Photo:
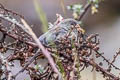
58 31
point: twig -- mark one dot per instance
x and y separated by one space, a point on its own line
10 11
87 6
28 63
115 56
13 21
7 67
100 68
17 38
107 60
45 52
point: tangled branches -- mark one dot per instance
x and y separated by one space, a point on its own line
70 55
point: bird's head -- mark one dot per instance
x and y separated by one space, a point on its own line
69 22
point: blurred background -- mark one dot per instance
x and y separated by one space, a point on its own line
106 23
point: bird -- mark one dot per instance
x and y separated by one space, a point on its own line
58 31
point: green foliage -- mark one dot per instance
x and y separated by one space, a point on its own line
41 15
61 68
76 8
40 68
94 1
76 65
59 64
95 5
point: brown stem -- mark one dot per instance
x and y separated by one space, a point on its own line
92 63
87 6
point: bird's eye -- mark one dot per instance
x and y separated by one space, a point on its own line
73 23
